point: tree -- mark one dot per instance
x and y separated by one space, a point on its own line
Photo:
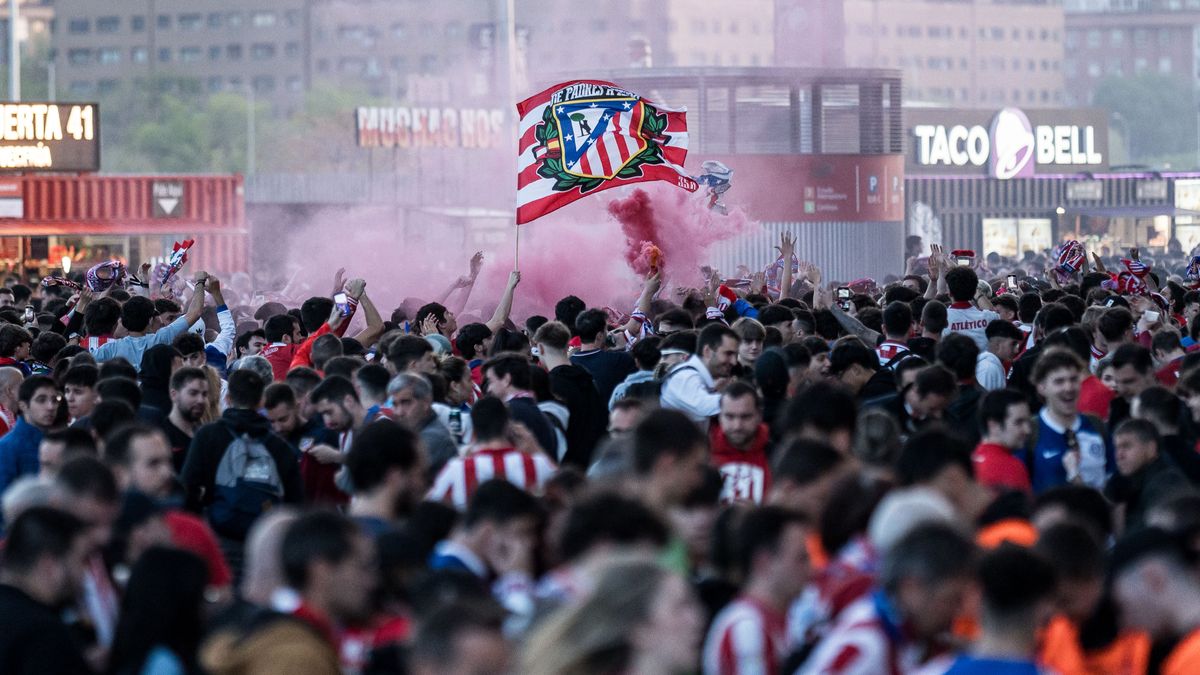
1160 112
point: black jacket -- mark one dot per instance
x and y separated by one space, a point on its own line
1148 486
209 444
524 410
33 641
588 423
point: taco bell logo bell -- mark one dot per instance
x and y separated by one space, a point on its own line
1011 147
1012 143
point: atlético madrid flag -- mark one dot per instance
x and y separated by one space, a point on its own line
578 138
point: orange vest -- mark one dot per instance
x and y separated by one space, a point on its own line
1129 654
1185 658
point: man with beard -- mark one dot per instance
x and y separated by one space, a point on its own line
337 402
44 556
740 442
693 387
189 401
387 473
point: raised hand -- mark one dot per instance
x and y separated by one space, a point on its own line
787 247
356 288
339 280
430 325
476 264
514 278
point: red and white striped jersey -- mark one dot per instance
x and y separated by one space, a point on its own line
457 480
746 638
94 342
888 350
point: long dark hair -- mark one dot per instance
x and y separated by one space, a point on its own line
163 607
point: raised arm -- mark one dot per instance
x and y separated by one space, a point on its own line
653 282
854 327
786 248
374 328
506 300
196 305
935 272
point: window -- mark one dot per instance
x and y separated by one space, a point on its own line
1141 37
1071 70
233 52
1164 65
322 65
1117 37
1115 67
233 19
1072 40
108 24
399 29
164 54
190 21
997 33
235 83
292 18
1164 37
598 25
399 63
262 51
109 55
264 84
453 29
79 26
80 88
294 83
263 19
190 54
108 86
164 22
1093 39
214 21
1093 70
215 83
353 66
292 49
428 63
214 53
79 57
139 54
1016 96
137 24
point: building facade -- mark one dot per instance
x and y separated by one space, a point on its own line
197 45
978 53
1125 39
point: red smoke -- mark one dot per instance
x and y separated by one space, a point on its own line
675 224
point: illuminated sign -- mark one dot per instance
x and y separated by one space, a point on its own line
409 127
49 137
1011 144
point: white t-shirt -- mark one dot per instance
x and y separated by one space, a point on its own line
965 318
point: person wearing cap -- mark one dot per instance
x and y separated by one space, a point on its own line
1154 583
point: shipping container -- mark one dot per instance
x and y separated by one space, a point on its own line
132 217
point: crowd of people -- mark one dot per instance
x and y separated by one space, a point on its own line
985 466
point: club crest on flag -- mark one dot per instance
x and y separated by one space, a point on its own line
600 137
581 137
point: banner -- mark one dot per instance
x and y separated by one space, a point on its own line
578 138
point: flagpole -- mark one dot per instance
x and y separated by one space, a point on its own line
510 43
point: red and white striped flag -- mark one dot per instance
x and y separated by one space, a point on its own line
578 138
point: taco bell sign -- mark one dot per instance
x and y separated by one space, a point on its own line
1011 144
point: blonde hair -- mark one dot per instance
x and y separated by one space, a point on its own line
594 636
213 413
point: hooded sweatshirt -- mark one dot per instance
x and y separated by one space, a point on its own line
588 420
155 378
209 445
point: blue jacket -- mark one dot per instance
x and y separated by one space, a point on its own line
19 453
1096 455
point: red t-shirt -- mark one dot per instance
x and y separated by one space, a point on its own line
190 533
1168 375
1094 398
995 467
746 473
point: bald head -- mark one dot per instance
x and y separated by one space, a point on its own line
10 381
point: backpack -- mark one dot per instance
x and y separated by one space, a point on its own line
246 486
